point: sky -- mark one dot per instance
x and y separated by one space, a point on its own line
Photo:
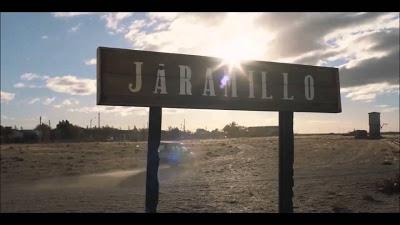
48 63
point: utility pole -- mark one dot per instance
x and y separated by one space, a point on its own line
98 120
41 128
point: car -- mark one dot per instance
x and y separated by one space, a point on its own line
174 153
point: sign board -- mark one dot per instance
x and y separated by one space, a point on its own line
143 78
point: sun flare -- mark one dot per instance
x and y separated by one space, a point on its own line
234 52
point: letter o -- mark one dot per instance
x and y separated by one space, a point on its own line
309 87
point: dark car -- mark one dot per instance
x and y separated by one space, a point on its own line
174 153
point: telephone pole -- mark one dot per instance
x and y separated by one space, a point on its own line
98 120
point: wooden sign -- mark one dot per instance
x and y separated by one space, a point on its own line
154 79
143 78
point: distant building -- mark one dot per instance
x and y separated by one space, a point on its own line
360 134
16 135
9 135
263 131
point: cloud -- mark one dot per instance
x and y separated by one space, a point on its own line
222 34
121 110
315 31
90 62
48 101
368 92
387 108
33 101
70 14
390 109
19 85
374 69
33 76
113 21
45 37
74 28
163 16
6 97
363 45
4 117
72 85
69 84
45 101
30 76
67 102
23 85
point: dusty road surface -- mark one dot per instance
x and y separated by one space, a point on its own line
333 173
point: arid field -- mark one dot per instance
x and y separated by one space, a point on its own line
332 173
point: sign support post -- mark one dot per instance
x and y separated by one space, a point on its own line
154 137
286 158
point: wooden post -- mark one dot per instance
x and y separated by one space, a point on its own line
154 137
286 157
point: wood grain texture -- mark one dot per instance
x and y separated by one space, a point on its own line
116 70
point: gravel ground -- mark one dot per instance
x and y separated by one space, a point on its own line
332 173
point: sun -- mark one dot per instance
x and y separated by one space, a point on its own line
233 52
232 62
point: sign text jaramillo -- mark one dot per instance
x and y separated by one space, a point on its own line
143 78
